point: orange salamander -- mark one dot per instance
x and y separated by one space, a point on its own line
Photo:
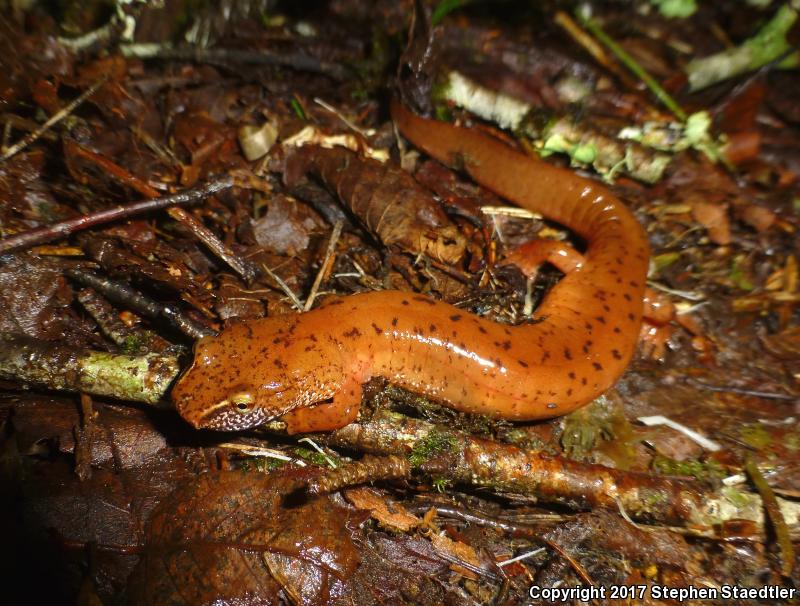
307 369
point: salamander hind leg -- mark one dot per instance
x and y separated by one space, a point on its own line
533 254
327 416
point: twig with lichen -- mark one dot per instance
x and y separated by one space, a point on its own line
442 452
584 144
767 45
60 367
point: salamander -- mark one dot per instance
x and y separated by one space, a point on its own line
308 369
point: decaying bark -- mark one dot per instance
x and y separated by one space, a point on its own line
388 201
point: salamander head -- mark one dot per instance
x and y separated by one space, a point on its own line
235 382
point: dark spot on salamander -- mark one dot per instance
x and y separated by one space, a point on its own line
589 326
616 354
567 353
597 366
378 330
313 338
571 375
455 317
617 329
587 345
627 297
352 333
308 348
404 302
634 283
545 356
394 321
276 340
606 308
482 330
278 363
601 319
522 363
569 391
432 327
632 317
584 381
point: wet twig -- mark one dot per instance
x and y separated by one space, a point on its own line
130 340
71 226
52 121
323 269
298 61
125 295
61 367
246 270
505 468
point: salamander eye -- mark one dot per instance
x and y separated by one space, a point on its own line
242 401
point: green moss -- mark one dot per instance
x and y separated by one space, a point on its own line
435 443
664 260
738 275
704 471
792 441
737 498
311 456
441 484
676 9
582 429
755 435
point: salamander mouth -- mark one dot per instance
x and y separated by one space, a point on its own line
223 418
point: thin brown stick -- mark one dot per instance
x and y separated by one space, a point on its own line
113 169
124 294
54 119
70 226
241 266
337 231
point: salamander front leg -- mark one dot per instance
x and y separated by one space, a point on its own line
327 416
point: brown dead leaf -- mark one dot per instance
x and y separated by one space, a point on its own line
286 227
785 345
456 552
757 217
714 217
386 512
231 537
35 299
387 200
